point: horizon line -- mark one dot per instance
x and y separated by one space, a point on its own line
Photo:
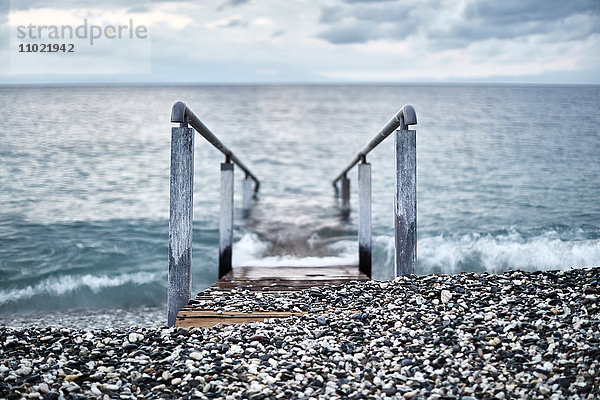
297 83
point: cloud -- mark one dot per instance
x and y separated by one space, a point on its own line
511 19
232 3
363 21
456 24
347 34
234 21
477 39
29 4
355 40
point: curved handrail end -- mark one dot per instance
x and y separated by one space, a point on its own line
178 112
409 114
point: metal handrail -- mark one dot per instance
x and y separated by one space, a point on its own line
405 196
182 114
405 116
181 205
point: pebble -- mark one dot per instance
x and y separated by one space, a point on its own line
445 296
175 381
43 388
24 371
94 389
418 337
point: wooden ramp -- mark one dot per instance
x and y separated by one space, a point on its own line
203 311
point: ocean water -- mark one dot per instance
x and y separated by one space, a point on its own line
508 178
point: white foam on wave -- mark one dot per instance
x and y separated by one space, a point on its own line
494 254
249 247
61 285
446 254
250 250
502 252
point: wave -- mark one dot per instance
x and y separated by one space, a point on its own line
448 254
94 278
509 251
251 250
492 253
59 286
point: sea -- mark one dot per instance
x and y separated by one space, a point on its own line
508 177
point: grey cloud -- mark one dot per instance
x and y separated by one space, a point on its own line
4 32
105 4
331 15
232 3
359 21
236 2
234 23
367 1
508 11
510 19
4 9
346 34
278 33
139 9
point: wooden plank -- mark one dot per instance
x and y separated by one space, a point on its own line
273 280
266 285
290 281
285 272
209 319
236 314
212 322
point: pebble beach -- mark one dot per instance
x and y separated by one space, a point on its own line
465 336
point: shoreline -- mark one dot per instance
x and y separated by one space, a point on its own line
90 319
512 335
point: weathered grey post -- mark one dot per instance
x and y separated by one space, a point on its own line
180 220
247 195
345 194
405 199
226 220
364 221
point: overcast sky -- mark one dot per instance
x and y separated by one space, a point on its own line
226 41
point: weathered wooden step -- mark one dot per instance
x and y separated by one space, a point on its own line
275 280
